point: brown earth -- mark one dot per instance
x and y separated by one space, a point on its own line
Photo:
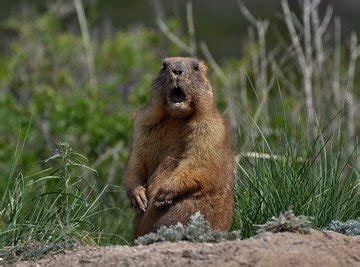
281 249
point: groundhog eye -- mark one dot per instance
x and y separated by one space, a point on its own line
163 67
196 66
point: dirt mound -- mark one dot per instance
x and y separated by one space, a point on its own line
282 249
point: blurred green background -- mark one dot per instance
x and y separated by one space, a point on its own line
211 17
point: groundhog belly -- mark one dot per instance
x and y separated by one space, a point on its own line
217 210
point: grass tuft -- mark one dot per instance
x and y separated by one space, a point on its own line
50 210
315 179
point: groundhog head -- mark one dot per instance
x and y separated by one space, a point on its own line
183 87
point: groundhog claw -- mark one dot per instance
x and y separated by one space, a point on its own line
163 203
164 197
138 198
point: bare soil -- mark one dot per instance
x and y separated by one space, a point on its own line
281 249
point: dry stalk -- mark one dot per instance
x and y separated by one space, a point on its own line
189 49
304 57
337 60
260 59
349 96
87 42
191 28
257 155
232 107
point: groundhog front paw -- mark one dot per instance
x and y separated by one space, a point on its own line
163 203
164 197
138 198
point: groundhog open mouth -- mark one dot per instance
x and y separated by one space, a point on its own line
177 95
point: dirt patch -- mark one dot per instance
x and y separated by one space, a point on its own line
281 249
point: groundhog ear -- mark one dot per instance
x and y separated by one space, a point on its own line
203 67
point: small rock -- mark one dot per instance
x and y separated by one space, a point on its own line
194 255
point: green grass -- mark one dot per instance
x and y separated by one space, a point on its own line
59 207
49 210
313 178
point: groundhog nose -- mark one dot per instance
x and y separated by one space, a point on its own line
177 69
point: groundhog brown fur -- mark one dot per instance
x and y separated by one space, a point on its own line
180 160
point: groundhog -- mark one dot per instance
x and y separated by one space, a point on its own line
180 160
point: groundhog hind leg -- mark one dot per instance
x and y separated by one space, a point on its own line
221 217
179 211
137 226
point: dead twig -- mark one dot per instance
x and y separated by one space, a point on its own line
86 40
189 49
304 57
257 155
232 108
191 28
